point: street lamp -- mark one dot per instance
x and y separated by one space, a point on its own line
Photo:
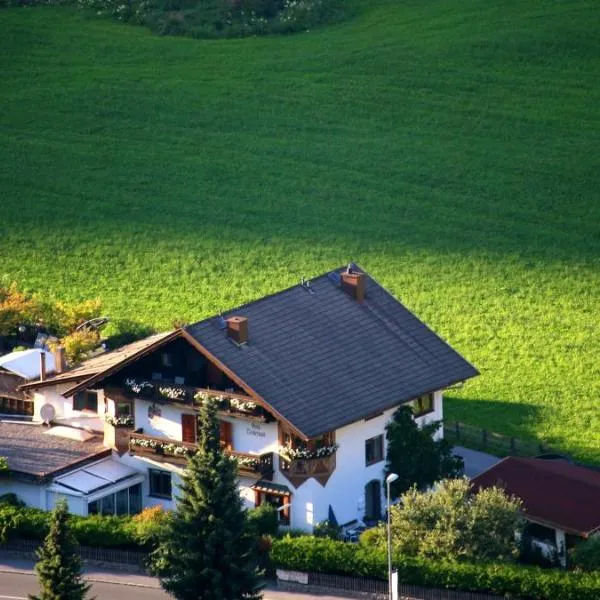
389 480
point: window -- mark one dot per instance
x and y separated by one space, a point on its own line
422 405
374 450
123 409
124 502
167 360
87 400
160 483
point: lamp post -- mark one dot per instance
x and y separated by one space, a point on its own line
389 480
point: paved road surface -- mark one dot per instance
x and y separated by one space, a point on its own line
17 580
475 462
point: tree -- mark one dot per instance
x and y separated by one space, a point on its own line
16 308
415 456
450 522
59 566
208 551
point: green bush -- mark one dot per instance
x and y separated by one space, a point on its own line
103 532
263 520
327 529
323 555
221 18
586 555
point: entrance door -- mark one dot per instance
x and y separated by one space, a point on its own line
373 500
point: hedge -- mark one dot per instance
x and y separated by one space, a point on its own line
511 580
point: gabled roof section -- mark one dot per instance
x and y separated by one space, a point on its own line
322 360
554 492
100 366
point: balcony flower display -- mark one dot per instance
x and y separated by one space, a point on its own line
124 421
245 461
202 397
242 406
138 386
171 392
289 453
171 448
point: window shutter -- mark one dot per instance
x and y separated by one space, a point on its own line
225 434
188 428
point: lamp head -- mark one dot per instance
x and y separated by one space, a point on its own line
391 478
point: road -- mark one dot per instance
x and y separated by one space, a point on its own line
15 585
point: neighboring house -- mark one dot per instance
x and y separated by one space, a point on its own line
16 368
561 500
306 380
49 462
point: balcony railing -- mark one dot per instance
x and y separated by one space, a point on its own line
160 391
300 469
174 452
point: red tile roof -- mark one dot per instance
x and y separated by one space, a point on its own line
554 492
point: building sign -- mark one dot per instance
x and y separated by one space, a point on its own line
255 430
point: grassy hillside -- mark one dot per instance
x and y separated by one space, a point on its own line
450 148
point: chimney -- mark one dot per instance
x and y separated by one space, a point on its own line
354 283
42 365
60 359
237 329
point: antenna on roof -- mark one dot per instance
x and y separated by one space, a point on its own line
305 283
222 321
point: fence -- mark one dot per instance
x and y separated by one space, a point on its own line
360 587
488 441
123 558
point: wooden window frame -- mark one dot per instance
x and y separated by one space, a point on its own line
85 394
160 473
417 405
377 444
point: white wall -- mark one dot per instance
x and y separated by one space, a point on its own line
63 406
345 489
32 494
77 504
166 424
252 437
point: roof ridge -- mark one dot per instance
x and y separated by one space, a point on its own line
272 295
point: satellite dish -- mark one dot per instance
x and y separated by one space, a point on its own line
47 413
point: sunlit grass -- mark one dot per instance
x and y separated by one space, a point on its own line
450 149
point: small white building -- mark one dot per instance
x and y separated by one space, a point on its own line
306 378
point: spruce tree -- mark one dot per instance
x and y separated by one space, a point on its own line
415 456
59 565
207 551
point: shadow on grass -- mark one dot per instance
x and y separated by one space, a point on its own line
504 427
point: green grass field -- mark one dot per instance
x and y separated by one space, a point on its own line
450 148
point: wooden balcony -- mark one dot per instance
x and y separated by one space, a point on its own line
174 452
301 469
184 395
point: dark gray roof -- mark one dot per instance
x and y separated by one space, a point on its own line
31 451
322 360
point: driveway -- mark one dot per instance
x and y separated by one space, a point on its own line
475 462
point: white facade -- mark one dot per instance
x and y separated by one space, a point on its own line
344 491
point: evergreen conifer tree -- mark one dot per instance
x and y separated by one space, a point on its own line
59 565
207 551
415 456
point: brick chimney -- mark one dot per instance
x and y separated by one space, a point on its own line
42 365
60 359
237 329
354 283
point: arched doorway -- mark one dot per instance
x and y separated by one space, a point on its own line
373 500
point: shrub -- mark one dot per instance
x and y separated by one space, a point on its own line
263 520
147 526
451 522
327 529
323 555
586 555
3 465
